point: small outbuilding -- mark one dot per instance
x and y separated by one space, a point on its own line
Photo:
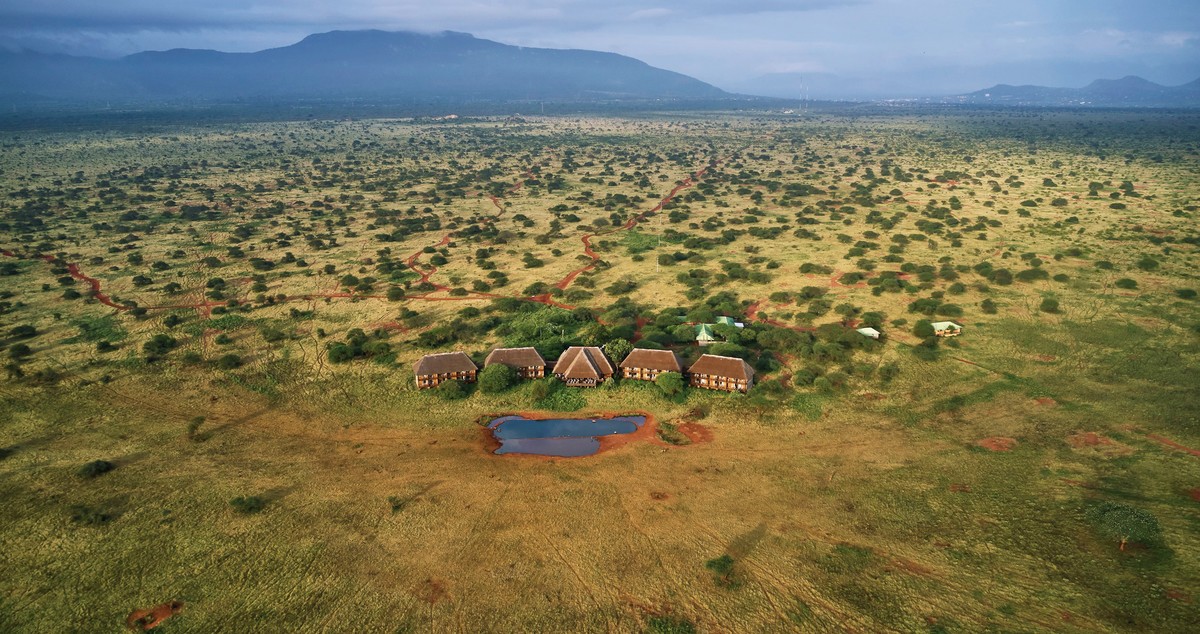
583 366
526 361
715 372
705 334
433 369
868 331
645 365
946 328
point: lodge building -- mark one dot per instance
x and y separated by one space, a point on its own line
433 369
645 365
526 361
583 366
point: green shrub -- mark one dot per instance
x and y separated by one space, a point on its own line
89 516
1127 283
1049 305
96 468
671 383
723 567
248 504
451 390
669 624
229 362
1147 263
497 378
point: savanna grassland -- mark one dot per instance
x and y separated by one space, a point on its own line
208 333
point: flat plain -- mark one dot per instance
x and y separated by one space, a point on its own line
226 316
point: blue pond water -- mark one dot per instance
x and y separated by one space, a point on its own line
564 437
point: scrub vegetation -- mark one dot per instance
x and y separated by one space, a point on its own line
208 332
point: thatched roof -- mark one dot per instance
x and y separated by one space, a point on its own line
444 363
661 360
728 367
515 358
583 362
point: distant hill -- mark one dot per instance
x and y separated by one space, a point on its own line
347 65
1127 91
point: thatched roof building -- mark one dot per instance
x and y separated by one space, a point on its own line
583 366
645 365
433 369
526 361
715 372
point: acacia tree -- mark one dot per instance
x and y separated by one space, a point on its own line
1123 522
618 349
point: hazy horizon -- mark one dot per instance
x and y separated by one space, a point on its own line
875 47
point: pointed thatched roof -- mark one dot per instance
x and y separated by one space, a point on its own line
444 363
661 360
584 362
515 358
728 367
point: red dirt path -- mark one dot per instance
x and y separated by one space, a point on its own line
997 443
151 618
1172 444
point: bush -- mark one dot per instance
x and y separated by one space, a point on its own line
1127 283
24 331
1147 263
1185 293
158 346
89 516
451 390
669 624
723 567
1049 305
248 504
229 362
96 468
497 378
988 307
923 329
671 383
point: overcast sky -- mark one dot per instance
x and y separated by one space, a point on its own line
915 46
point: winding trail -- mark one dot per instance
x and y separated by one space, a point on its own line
426 272
629 224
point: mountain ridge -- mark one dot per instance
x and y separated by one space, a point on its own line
369 64
1130 90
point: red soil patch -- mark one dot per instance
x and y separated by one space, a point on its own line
1172 444
1097 443
1178 595
1195 494
1045 400
152 617
433 591
874 396
997 443
1046 358
910 566
696 433
960 488
1088 439
659 495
